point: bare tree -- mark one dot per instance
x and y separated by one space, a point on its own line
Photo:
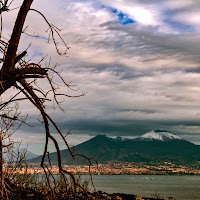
8 126
23 75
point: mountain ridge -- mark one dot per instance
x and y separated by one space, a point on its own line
147 149
17 153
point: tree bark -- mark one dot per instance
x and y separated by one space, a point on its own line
1 168
9 62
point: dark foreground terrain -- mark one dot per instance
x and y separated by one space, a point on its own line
35 193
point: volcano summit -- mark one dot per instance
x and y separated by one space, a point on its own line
154 146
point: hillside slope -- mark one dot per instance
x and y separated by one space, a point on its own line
154 146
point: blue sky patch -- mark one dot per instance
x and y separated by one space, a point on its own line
122 17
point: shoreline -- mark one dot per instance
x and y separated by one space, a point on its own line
138 174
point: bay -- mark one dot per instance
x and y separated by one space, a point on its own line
184 187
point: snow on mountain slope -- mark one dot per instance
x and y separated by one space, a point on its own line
161 135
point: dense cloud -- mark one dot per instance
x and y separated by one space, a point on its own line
138 61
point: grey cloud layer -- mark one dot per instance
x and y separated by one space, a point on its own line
139 76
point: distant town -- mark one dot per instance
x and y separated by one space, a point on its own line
127 168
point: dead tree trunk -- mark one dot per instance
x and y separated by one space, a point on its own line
17 73
1 167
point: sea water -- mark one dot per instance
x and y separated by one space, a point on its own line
184 187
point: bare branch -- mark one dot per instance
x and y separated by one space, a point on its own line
14 41
53 29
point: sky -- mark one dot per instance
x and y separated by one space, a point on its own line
137 61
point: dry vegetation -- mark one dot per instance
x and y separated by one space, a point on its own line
23 75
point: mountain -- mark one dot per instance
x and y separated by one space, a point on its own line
154 146
161 135
29 155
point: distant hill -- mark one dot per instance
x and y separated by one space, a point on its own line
154 146
28 155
